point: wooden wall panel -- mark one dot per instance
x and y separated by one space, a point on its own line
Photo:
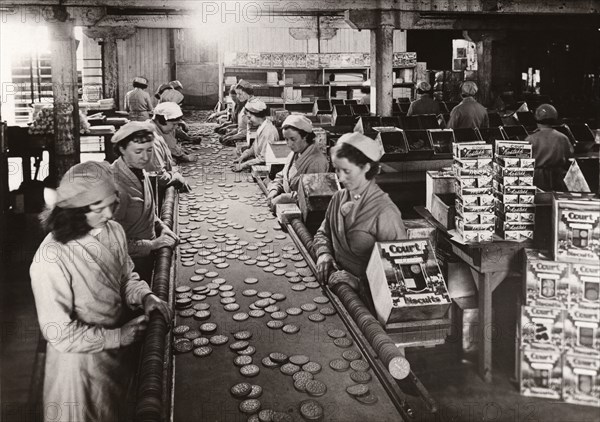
146 54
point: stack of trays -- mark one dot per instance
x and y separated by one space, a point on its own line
514 190
475 218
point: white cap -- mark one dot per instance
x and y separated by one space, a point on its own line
255 105
469 88
372 148
169 110
298 121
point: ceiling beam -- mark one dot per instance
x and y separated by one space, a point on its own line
299 7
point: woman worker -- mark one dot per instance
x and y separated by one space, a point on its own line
357 216
83 282
305 158
265 134
133 143
551 150
137 101
245 93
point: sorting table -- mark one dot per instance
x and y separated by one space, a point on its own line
490 263
232 255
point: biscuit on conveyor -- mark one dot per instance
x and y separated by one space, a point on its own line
360 377
351 355
275 325
242 360
289 369
182 345
239 345
299 359
368 399
278 357
250 350
358 390
242 335
339 365
316 388
290 329
250 370
241 390
256 392
181 329
327 310
312 367
202 351
343 342
336 333
208 327
268 363
219 340
250 406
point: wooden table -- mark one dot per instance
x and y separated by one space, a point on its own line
490 263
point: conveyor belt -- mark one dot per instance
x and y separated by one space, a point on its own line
223 206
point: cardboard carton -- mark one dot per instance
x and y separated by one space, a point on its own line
314 194
582 330
406 282
576 229
540 372
513 149
472 150
546 282
277 153
581 380
287 212
542 326
585 285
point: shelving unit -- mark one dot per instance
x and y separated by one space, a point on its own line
282 84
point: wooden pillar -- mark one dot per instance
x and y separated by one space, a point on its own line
373 73
384 81
64 89
484 69
110 69
107 38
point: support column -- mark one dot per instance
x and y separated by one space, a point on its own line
64 90
107 38
110 69
484 69
373 73
384 81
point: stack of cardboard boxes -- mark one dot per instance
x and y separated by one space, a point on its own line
475 218
514 190
559 329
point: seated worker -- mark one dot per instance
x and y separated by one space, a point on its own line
137 101
162 88
84 289
173 94
425 104
136 210
468 113
162 164
245 93
265 134
551 150
357 216
365 89
166 119
305 158
231 122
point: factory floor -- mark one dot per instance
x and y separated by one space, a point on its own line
460 393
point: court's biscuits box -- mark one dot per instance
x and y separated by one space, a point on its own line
476 236
514 189
463 208
465 191
512 149
540 371
581 379
514 199
472 150
515 163
515 235
511 208
474 182
585 285
513 225
582 330
478 218
406 281
516 217
542 326
501 171
515 180
547 283
462 226
576 228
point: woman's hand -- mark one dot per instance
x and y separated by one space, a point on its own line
151 302
343 276
164 240
325 265
133 331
